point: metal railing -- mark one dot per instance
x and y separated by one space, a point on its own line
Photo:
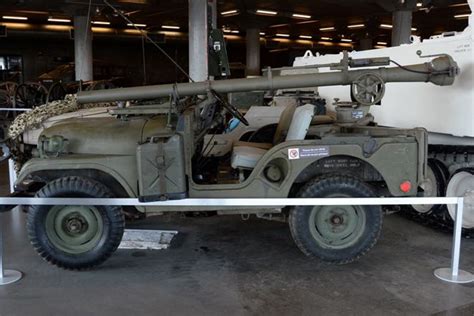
452 274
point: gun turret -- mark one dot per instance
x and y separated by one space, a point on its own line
440 71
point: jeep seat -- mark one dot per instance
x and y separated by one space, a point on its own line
293 125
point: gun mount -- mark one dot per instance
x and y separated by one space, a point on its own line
440 71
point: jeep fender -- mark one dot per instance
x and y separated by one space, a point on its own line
109 165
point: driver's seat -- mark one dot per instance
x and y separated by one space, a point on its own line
293 125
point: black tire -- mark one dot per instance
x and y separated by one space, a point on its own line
101 227
307 222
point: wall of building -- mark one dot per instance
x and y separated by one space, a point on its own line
123 56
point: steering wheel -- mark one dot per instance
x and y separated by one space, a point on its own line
229 107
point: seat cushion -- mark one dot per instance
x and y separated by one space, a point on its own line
300 122
246 157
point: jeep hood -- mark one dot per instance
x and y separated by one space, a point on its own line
106 135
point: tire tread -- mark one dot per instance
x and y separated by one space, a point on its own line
78 184
311 189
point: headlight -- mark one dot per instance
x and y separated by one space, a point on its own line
52 146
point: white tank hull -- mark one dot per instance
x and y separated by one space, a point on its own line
443 111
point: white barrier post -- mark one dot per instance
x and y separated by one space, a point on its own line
6 276
453 274
12 174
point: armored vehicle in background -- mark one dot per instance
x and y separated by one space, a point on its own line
446 113
156 152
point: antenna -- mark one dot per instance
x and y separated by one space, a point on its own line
144 34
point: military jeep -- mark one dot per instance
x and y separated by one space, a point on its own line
157 152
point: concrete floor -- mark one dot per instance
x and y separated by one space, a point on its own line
223 265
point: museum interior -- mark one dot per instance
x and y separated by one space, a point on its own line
241 157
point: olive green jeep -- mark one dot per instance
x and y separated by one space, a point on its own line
157 152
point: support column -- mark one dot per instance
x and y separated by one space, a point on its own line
402 23
253 52
198 40
213 12
366 43
83 48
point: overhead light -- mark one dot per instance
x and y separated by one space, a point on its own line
132 31
170 27
99 29
59 20
278 50
282 35
9 17
329 28
419 4
136 24
235 31
306 36
279 25
347 40
382 43
459 16
326 38
390 26
231 37
56 27
100 22
230 12
262 33
266 12
356 26
301 16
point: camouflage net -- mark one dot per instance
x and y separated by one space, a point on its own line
34 118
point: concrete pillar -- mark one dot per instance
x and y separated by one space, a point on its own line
198 40
401 31
83 48
253 52
213 12
366 43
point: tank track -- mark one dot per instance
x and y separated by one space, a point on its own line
438 220
448 160
453 157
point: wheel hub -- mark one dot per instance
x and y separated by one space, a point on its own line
337 227
76 224
74 229
337 220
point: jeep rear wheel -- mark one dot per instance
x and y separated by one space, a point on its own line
337 233
71 236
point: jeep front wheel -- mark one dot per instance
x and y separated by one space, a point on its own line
339 233
71 236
